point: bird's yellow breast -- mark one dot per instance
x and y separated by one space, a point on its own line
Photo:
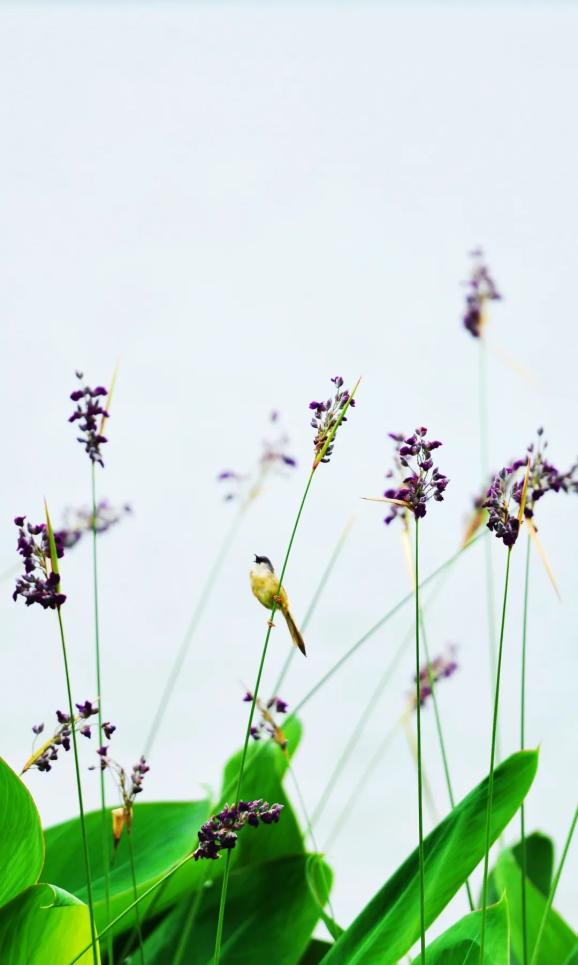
264 585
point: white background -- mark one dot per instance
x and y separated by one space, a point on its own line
239 203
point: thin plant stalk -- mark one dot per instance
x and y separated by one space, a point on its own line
427 795
225 884
86 857
419 757
485 471
183 650
315 600
135 893
522 745
380 623
493 758
354 795
317 461
554 887
441 740
104 830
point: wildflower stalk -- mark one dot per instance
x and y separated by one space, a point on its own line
419 761
225 884
86 857
554 887
522 745
322 453
315 600
135 894
485 469
183 650
104 830
493 757
309 830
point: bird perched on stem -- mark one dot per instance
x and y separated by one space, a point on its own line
265 586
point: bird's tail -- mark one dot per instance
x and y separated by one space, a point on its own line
294 631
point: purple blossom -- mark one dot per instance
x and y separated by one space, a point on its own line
274 457
43 759
481 289
543 477
90 415
267 724
430 675
504 524
78 522
326 416
424 481
220 832
39 583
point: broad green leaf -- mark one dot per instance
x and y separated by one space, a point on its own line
270 917
44 925
460 944
573 958
558 939
315 952
539 860
21 843
390 924
162 835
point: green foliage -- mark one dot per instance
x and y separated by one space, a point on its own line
162 834
270 917
389 925
460 944
44 924
21 843
558 939
539 860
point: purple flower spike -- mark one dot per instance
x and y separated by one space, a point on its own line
38 583
440 668
325 418
220 832
481 289
424 481
500 521
90 415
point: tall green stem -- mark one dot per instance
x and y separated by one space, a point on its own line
419 768
522 745
314 601
225 884
135 894
104 829
183 650
95 956
441 740
485 472
493 758
554 887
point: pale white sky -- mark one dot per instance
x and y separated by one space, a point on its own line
238 203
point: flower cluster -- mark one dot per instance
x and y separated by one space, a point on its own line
78 522
481 289
43 758
219 833
39 583
268 724
424 481
128 785
90 415
543 477
326 416
500 521
274 456
429 676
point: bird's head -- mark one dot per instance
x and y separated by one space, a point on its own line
265 561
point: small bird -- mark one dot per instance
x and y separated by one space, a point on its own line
265 585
